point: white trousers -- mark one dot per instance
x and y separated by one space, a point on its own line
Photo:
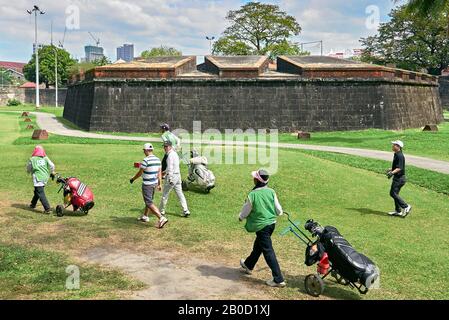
169 186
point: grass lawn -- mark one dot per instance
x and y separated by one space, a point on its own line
432 145
408 252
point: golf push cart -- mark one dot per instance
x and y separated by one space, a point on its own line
334 256
76 194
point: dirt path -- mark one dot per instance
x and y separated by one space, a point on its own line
169 276
51 124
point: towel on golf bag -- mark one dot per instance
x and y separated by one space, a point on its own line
199 160
351 265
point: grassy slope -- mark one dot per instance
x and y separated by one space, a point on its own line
411 260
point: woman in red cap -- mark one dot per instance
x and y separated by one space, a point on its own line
41 168
260 211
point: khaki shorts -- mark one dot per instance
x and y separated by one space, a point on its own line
148 194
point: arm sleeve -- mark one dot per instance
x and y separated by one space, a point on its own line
246 210
170 164
51 165
143 165
279 209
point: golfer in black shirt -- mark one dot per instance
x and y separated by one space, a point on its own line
397 172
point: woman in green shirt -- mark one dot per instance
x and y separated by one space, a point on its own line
260 211
41 168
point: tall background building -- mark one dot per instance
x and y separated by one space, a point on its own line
126 52
93 53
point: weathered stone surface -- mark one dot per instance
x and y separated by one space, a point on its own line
303 94
286 104
40 135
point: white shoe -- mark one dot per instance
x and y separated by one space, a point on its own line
273 284
245 268
407 211
186 214
395 214
162 222
144 219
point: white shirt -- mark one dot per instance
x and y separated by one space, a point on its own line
248 207
172 164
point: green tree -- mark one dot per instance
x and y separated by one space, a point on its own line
410 41
426 8
258 29
47 66
5 77
101 62
162 51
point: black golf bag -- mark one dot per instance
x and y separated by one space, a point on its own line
351 265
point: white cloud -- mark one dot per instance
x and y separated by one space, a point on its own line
180 23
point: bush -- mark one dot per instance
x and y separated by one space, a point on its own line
14 103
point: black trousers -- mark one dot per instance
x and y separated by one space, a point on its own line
263 245
39 194
396 187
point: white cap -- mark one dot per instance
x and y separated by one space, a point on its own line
148 146
399 143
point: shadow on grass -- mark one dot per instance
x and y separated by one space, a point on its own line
130 221
368 211
25 207
331 290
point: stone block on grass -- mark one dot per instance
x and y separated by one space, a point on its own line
430 128
40 135
304 135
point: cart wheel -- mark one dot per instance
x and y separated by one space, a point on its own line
184 186
60 211
314 285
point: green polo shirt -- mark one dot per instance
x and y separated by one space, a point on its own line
263 213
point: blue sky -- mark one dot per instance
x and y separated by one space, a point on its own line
180 23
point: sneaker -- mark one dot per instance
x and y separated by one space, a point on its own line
49 211
407 211
32 207
162 222
245 269
273 284
186 214
144 219
395 214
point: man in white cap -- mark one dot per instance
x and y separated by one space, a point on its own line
397 172
173 180
151 173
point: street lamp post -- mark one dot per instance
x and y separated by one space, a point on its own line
211 40
36 10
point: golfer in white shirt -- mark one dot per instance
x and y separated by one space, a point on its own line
173 180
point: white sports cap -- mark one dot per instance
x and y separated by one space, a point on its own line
148 146
399 143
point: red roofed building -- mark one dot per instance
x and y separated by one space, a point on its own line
27 85
15 68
